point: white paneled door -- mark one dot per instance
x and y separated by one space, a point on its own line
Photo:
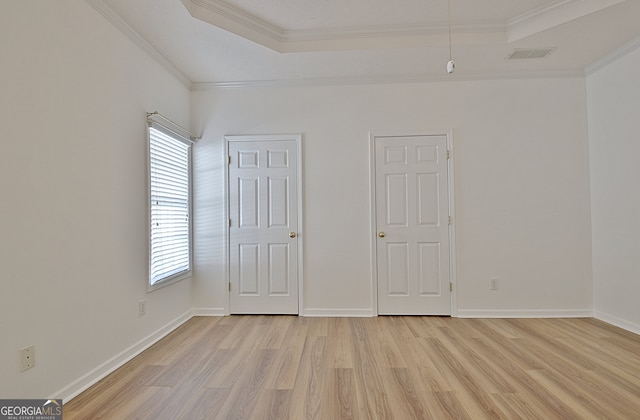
412 221
263 226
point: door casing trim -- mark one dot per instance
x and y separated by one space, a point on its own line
373 216
300 230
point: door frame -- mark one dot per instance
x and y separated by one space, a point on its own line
227 196
373 216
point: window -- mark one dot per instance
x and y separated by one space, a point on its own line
169 205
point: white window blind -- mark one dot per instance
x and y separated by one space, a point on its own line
170 207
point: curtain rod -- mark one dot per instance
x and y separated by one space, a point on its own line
192 137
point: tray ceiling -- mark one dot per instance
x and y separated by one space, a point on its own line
239 41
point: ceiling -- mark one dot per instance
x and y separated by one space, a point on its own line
229 42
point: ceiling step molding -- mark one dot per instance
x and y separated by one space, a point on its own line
223 15
551 15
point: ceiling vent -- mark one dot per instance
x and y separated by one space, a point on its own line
522 53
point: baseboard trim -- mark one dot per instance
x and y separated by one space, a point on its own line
338 313
618 322
209 312
83 383
526 313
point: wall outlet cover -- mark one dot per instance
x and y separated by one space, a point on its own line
27 358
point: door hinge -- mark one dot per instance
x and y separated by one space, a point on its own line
229 160
449 220
229 222
229 286
448 154
451 287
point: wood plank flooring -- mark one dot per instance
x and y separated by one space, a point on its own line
286 367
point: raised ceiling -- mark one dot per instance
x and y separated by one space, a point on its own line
331 41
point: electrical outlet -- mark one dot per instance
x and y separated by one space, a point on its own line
494 284
142 307
27 358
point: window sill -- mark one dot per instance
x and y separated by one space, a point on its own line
168 281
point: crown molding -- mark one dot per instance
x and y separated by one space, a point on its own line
615 55
551 15
394 30
391 36
240 17
110 15
223 15
244 24
544 10
379 80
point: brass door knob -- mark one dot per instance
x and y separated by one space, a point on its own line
381 234
292 234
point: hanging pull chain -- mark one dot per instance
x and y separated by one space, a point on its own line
451 65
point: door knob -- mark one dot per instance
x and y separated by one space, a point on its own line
292 234
381 234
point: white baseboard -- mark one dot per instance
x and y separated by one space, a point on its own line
335 313
208 312
526 313
83 383
618 322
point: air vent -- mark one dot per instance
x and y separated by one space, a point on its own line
523 53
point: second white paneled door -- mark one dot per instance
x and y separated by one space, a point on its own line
263 231
412 221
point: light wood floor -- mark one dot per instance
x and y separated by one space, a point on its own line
284 367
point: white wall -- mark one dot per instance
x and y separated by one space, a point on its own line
614 144
73 244
73 247
522 187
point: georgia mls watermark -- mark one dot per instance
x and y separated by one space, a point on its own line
30 409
